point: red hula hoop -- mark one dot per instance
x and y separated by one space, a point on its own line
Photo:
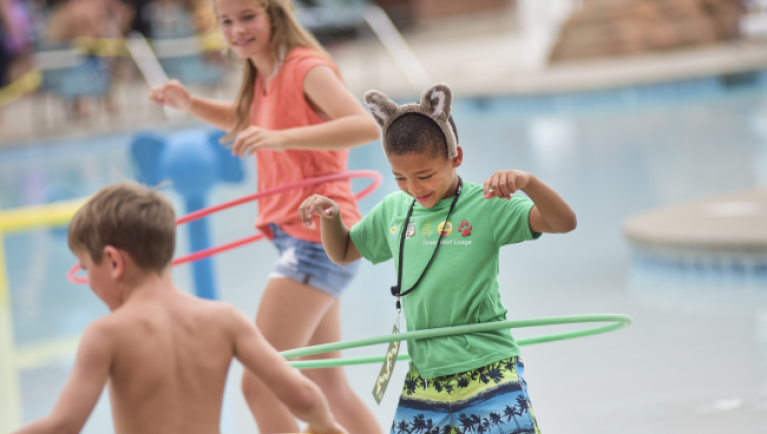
205 253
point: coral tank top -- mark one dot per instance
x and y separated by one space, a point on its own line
285 106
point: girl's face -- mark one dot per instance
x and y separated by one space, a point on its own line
245 25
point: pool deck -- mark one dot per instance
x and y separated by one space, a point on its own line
474 67
467 53
732 223
655 68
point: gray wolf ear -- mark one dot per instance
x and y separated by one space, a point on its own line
437 101
380 106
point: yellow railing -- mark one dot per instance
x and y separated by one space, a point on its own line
38 216
13 359
28 82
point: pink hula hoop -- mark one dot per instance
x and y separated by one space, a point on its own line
205 253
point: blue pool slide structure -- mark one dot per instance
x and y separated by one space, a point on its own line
192 162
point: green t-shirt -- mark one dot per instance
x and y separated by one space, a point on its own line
461 285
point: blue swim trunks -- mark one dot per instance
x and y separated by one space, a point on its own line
486 400
307 263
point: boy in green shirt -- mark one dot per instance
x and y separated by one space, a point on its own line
445 237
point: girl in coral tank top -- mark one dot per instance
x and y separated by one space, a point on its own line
295 114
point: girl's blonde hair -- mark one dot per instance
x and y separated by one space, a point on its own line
286 34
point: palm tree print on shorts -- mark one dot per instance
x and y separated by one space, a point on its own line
488 400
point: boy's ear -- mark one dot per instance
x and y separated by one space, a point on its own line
458 159
116 259
437 101
380 106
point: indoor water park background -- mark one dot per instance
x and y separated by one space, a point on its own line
627 133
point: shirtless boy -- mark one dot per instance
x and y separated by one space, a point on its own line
164 354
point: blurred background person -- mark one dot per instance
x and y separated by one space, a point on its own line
141 17
81 19
5 52
16 37
86 24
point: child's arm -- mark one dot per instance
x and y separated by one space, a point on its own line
335 235
173 93
349 125
83 388
551 214
304 398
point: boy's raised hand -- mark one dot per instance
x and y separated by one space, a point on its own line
504 183
172 93
317 205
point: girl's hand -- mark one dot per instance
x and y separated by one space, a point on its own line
317 205
172 93
504 183
254 138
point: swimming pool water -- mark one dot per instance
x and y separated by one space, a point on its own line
695 359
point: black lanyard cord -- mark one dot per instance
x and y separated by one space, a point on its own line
396 290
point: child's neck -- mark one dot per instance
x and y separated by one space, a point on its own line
265 65
453 187
148 285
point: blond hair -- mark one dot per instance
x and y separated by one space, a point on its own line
129 217
286 34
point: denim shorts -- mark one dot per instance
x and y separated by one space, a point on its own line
307 263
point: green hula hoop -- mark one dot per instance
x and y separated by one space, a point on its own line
619 322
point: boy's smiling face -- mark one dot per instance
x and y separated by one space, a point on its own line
426 177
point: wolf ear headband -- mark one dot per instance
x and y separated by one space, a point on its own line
436 103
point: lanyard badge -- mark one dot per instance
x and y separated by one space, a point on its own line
388 366
391 353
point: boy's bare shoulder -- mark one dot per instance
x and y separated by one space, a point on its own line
109 328
212 313
219 312
107 325
226 314
215 309
181 312
101 332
